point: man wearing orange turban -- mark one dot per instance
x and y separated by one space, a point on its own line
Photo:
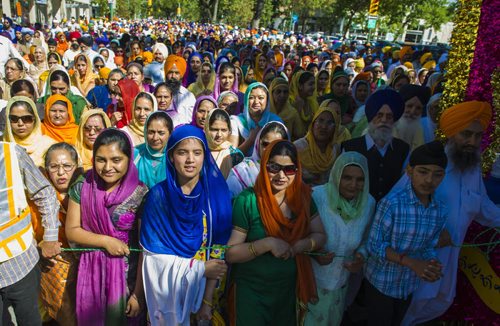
181 109
463 191
175 67
458 117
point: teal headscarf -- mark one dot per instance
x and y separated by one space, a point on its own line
151 164
246 122
348 210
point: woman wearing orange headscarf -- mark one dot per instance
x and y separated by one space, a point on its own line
62 43
274 225
59 123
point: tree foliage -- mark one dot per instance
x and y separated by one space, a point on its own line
394 15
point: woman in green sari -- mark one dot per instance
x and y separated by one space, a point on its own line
275 224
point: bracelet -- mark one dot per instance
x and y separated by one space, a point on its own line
313 244
252 249
208 303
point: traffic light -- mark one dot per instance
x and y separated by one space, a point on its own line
373 7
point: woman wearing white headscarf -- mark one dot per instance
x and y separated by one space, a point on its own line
429 122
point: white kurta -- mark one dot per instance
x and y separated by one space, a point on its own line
184 102
343 238
465 195
174 288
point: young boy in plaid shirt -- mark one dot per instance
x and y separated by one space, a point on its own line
404 233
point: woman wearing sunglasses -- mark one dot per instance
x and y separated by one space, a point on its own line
275 224
25 128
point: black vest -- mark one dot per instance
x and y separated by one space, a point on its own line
384 171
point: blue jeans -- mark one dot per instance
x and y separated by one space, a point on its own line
23 297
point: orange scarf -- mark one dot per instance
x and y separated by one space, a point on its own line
298 196
66 133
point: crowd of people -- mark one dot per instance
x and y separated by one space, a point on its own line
172 173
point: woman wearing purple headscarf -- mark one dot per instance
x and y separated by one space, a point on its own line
102 214
226 80
202 106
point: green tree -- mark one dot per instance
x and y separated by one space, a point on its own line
122 9
103 7
400 15
349 10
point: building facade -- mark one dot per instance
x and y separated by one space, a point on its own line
44 11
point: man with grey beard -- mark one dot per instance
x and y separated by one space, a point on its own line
464 193
386 155
409 128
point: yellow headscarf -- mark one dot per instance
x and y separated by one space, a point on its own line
259 74
36 144
311 100
197 88
341 132
327 89
83 150
134 125
90 76
311 157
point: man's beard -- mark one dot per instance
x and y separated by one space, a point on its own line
380 134
174 85
464 160
407 129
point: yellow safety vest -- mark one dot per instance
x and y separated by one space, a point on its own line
16 232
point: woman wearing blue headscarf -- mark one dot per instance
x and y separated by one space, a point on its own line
256 113
150 158
194 66
184 218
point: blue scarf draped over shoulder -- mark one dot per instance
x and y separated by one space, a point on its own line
172 223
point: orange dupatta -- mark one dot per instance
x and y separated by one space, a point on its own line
298 196
66 133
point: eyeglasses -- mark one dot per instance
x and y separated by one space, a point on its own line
377 71
275 168
25 118
95 129
99 67
66 167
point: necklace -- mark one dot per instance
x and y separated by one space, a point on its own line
282 201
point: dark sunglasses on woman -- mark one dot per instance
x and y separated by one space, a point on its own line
276 168
25 118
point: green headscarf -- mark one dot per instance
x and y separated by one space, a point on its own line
348 210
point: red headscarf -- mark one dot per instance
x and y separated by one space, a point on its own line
129 91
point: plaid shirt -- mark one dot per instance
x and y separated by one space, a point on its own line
405 225
44 196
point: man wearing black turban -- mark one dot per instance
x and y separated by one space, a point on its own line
403 237
386 155
409 128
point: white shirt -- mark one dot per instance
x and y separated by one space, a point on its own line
69 57
467 200
7 51
184 102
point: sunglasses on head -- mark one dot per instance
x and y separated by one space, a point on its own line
276 168
25 118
